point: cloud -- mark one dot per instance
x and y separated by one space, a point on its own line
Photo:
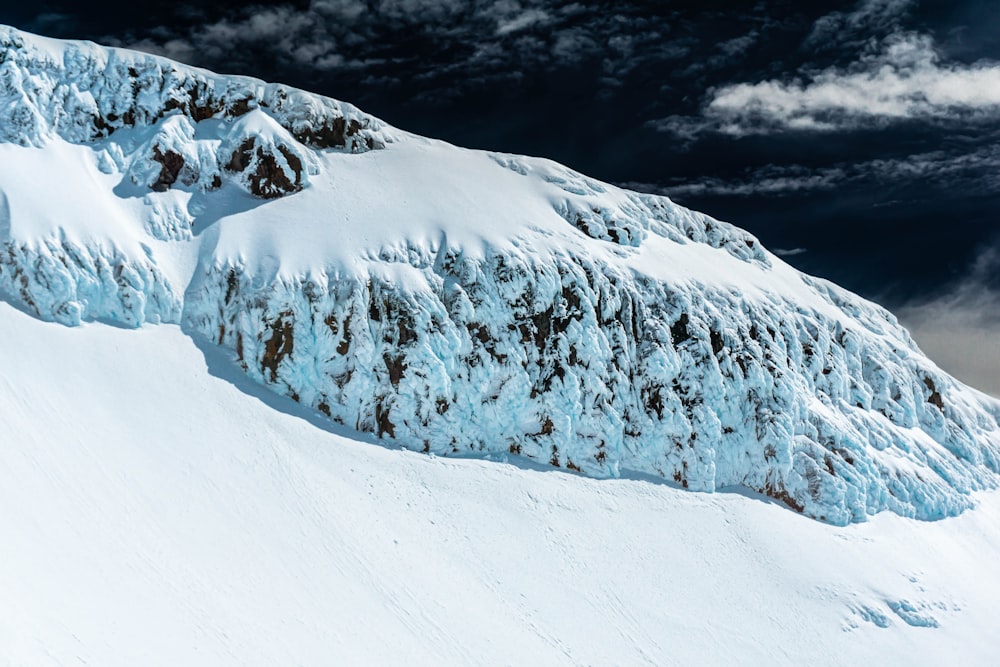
770 180
789 252
960 330
904 80
974 172
301 38
869 18
449 47
897 79
526 19
739 45
687 129
48 22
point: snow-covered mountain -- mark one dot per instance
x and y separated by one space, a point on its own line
219 296
456 301
155 513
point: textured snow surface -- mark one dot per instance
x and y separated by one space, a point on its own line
456 301
160 508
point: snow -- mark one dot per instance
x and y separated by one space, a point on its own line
162 509
270 297
457 301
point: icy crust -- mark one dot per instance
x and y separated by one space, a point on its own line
590 367
68 283
82 92
635 216
78 275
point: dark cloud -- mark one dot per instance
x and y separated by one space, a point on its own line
975 171
739 45
430 39
789 252
868 19
47 22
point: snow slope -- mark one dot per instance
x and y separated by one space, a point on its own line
456 301
160 509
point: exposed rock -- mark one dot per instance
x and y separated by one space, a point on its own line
172 164
138 90
657 387
281 344
268 174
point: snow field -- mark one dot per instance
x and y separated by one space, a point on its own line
162 509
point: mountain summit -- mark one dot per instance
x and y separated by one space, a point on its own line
457 301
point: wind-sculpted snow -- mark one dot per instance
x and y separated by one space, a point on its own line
588 367
68 283
459 302
629 222
57 277
81 92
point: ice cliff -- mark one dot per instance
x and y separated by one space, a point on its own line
458 301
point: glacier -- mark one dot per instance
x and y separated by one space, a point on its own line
462 302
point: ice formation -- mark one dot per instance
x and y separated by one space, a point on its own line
459 301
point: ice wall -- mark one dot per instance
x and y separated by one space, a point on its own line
595 330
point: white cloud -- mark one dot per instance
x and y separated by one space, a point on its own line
768 181
521 21
789 252
903 80
739 45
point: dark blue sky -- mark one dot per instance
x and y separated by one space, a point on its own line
862 138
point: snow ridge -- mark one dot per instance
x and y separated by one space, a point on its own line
82 92
456 301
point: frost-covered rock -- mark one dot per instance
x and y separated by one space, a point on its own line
265 159
455 301
582 365
170 156
68 283
81 92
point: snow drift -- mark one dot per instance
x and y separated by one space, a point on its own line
459 301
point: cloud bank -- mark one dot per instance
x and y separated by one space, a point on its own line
427 40
975 171
960 329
